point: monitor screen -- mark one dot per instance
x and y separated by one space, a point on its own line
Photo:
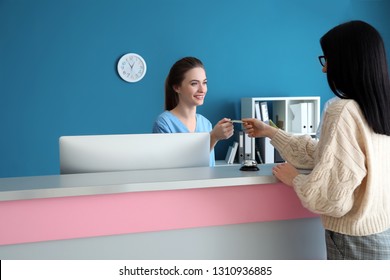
119 152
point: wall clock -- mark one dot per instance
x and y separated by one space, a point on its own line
131 67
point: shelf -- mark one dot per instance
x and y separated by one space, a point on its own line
297 115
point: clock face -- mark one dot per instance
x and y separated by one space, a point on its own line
131 67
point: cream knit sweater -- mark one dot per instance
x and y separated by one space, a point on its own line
349 185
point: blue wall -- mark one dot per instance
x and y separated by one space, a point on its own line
58 61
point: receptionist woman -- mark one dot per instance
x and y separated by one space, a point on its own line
185 90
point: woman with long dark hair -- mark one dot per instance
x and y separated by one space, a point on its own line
349 185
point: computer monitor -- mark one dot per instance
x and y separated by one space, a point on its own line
104 153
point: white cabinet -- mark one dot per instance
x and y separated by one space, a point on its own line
297 115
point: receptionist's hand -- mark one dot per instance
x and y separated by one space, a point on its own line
285 172
256 128
224 129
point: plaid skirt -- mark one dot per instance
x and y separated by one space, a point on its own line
346 247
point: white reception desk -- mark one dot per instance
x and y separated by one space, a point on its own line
184 213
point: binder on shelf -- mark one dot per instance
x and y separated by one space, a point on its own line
247 147
259 159
241 156
228 154
257 111
266 152
233 152
264 112
299 117
310 118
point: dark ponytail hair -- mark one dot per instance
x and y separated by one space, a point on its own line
357 69
176 76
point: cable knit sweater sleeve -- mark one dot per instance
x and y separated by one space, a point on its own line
337 160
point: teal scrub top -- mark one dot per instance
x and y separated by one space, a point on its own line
169 123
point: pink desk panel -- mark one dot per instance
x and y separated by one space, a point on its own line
47 219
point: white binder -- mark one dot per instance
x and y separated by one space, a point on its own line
233 152
264 112
267 151
311 128
247 147
257 111
299 117
228 154
241 156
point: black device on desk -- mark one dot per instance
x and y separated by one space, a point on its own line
249 165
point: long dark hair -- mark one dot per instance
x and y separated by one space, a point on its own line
176 76
357 69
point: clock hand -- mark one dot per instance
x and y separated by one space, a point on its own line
131 65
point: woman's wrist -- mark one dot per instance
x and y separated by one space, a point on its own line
213 140
271 131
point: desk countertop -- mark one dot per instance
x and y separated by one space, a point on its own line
21 188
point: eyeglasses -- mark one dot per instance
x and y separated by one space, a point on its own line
322 59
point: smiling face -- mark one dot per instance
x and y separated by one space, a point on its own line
193 88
